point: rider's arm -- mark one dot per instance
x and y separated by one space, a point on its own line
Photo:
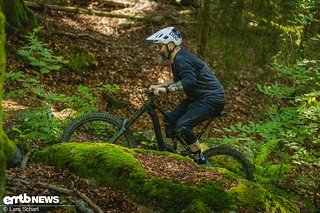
161 85
187 75
175 86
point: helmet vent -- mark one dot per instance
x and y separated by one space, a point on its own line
166 35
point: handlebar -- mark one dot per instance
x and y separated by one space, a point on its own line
148 93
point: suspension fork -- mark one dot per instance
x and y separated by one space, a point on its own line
125 124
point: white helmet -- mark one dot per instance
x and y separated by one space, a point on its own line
166 35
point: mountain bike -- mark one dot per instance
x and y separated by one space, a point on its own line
104 127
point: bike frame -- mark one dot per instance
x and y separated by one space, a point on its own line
149 107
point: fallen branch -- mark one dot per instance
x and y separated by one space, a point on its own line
25 160
88 200
62 190
25 182
92 12
84 35
82 206
55 188
118 3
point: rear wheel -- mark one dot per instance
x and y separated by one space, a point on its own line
97 127
230 159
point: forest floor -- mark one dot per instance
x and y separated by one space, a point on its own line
122 57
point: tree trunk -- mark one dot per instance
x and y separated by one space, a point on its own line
7 147
204 28
2 68
18 15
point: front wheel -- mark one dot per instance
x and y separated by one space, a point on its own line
230 159
97 127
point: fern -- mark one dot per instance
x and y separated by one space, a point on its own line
265 151
277 91
38 54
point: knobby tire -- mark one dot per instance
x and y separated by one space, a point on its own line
97 116
238 156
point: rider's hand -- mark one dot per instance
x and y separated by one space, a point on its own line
153 87
159 90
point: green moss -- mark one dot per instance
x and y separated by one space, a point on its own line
9 147
2 135
106 163
254 196
6 146
18 15
115 166
79 59
173 197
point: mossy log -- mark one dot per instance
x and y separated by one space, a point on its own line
91 12
6 146
2 69
117 167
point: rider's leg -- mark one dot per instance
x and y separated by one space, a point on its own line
196 150
197 112
172 117
193 144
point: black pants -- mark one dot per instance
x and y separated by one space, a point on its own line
189 113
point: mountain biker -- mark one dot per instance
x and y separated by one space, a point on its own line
205 94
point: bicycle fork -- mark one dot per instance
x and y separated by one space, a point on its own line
117 135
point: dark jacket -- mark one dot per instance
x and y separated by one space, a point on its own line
196 77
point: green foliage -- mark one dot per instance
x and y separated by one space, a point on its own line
287 140
13 75
316 38
233 36
146 138
85 99
276 90
39 55
28 85
37 124
79 59
260 199
111 88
